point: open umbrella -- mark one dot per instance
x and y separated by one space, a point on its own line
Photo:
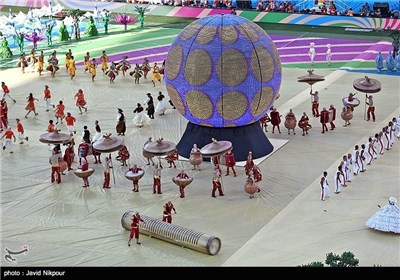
159 148
216 148
55 137
367 85
109 144
311 78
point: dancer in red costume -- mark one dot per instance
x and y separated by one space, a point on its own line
216 182
6 92
136 219
30 107
123 155
60 111
136 169
85 167
275 120
230 163
171 158
167 214
324 119
80 101
182 175
304 123
3 115
251 166
20 129
69 155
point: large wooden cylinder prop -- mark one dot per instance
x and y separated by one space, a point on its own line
177 235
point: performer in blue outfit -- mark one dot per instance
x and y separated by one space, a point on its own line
390 63
379 61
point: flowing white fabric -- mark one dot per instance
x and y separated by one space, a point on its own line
387 218
141 119
160 109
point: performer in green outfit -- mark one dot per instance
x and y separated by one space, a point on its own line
5 51
20 40
49 30
91 29
63 33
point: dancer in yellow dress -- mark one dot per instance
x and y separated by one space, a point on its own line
41 63
68 56
71 67
32 59
156 74
93 66
104 60
86 61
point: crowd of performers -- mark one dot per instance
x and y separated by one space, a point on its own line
327 115
60 162
109 69
362 156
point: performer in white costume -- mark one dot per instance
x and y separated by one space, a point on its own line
324 186
348 168
141 119
337 180
387 218
160 108
355 160
312 53
328 54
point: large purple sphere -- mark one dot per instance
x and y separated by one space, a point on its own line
223 71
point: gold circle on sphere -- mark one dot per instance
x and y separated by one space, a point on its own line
232 105
206 35
232 67
249 32
198 67
228 34
276 57
176 99
190 30
174 61
262 64
261 101
199 104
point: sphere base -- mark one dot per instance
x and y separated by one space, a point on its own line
244 139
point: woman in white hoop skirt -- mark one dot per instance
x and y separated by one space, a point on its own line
387 218
160 109
141 119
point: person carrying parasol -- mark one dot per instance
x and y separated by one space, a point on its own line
106 182
371 107
157 180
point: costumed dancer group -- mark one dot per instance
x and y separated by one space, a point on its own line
327 116
362 156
